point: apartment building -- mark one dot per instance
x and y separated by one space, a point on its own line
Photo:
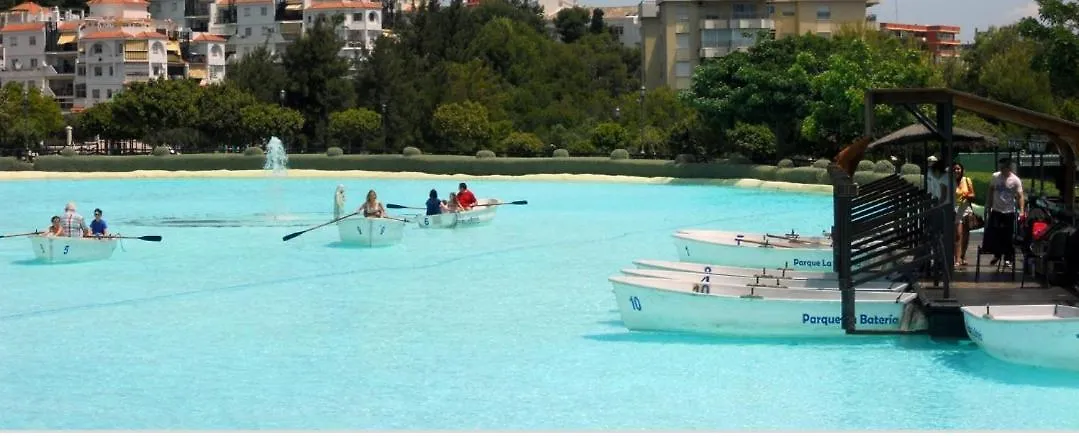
678 34
942 42
624 24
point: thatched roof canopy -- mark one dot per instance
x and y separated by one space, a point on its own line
918 133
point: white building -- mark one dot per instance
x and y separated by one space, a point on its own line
361 27
551 7
624 23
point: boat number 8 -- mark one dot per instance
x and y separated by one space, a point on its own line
635 303
66 247
701 288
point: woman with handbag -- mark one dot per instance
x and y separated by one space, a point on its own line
965 219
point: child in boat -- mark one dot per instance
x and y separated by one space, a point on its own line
55 229
451 205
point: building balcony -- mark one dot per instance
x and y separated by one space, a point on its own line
714 24
752 23
136 56
714 52
61 69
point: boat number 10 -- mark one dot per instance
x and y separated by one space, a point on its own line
635 303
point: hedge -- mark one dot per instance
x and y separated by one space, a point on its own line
447 165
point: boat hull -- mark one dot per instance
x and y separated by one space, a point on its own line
731 271
477 216
69 250
1041 335
742 250
370 232
647 304
882 286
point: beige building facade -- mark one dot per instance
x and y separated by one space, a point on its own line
676 35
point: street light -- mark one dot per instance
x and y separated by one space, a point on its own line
617 114
281 95
641 99
385 140
26 118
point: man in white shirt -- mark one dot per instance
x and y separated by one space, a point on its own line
1005 198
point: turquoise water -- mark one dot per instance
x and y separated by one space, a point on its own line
506 327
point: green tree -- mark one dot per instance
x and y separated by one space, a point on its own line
260 74
220 109
572 23
27 117
522 144
1008 77
1058 51
357 125
463 127
756 142
145 108
596 25
262 121
317 74
607 137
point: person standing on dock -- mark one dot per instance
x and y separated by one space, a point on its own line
1005 198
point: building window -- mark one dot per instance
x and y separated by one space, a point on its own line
682 41
788 11
683 13
33 63
262 10
824 34
97 71
744 10
98 48
96 93
372 17
33 40
618 30
682 69
110 70
13 41
108 93
247 31
824 13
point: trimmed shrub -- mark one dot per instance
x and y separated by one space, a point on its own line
807 175
23 166
561 153
685 158
915 180
161 150
334 151
581 147
738 159
909 169
786 163
7 163
253 151
485 154
619 154
884 167
866 165
821 163
863 177
411 151
68 152
522 144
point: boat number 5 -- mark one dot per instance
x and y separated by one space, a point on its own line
66 247
635 303
701 288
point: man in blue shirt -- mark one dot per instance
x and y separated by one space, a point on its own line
98 226
434 205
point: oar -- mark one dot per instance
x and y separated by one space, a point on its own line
398 206
20 234
518 202
293 235
141 238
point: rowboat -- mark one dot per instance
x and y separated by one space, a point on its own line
478 215
371 232
60 249
654 304
732 271
1042 335
749 250
829 284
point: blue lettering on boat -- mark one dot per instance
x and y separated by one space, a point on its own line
974 333
821 263
863 319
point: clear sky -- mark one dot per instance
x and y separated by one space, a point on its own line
967 14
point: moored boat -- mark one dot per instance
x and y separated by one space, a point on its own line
54 249
732 271
1042 335
829 284
371 232
749 250
482 213
653 304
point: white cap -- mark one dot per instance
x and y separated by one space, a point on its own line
932 159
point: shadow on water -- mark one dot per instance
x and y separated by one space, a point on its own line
31 262
906 342
253 220
976 363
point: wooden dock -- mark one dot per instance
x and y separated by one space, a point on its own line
993 285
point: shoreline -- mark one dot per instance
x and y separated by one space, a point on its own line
356 174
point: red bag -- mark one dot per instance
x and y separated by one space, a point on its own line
1039 229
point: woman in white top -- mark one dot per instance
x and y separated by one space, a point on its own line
372 208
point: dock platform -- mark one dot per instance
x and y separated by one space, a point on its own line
991 286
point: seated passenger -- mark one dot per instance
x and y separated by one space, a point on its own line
434 205
372 208
98 226
55 229
465 197
451 206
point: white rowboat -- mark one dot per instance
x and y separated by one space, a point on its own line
732 271
754 250
371 232
1042 335
53 249
651 304
478 215
826 284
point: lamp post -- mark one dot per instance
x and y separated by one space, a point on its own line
281 96
26 118
385 140
641 100
617 114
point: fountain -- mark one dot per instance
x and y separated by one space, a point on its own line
276 157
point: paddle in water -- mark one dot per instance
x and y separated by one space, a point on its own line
141 238
20 234
293 235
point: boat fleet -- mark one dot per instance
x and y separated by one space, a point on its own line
738 284
363 231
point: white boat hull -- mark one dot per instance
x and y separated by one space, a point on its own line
371 232
749 251
827 284
731 271
67 250
1042 335
478 215
649 304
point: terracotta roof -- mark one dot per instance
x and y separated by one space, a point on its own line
150 35
106 34
30 7
118 2
68 26
619 11
321 5
208 37
23 27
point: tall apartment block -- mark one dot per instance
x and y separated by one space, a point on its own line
942 42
